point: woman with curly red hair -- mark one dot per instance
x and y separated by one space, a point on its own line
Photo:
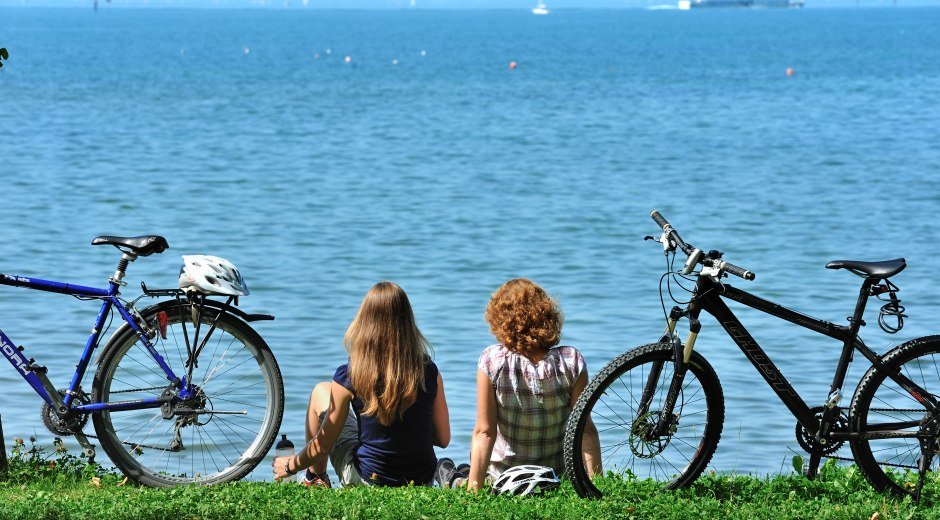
526 387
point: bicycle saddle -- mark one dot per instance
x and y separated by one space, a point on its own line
876 270
140 246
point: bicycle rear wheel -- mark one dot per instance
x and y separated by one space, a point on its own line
220 433
881 404
614 401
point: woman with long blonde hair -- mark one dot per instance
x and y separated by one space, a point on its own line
397 396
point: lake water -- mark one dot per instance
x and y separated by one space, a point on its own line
427 161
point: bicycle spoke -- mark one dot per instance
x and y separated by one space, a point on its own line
218 446
884 406
628 443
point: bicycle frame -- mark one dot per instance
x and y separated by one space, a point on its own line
35 374
708 294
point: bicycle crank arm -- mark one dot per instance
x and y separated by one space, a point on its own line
86 445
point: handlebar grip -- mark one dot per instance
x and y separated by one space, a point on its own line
658 218
737 271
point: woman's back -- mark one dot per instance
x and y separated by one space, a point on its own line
401 452
533 403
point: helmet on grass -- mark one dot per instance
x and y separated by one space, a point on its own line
526 480
211 275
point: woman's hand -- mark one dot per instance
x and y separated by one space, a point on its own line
281 467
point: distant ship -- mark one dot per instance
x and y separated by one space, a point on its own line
696 4
541 8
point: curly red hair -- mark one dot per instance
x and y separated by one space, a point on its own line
523 317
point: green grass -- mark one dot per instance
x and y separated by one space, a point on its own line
33 488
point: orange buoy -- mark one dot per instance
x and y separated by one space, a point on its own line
789 72
513 65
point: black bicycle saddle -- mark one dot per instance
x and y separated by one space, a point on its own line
874 270
141 246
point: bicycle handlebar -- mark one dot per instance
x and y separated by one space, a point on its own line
671 231
687 249
735 270
658 218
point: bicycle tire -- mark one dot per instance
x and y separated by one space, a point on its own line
701 377
237 374
893 404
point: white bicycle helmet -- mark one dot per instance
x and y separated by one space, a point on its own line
526 480
211 275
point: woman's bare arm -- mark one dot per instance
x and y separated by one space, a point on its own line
590 442
319 447
484 433
441 417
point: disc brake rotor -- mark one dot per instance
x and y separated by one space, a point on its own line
643 442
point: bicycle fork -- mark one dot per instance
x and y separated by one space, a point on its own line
667 418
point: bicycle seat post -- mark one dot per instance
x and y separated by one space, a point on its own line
126 258
831 408
855 323
856 320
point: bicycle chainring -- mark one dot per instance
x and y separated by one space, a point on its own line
807 439
68 425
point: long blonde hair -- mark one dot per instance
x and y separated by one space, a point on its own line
387 353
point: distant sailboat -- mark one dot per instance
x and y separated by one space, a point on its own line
541 8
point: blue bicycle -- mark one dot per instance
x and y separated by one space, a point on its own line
185 390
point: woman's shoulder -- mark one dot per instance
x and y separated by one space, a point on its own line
570 357
492 359
431 373
341 376
431 370
566 351
494 350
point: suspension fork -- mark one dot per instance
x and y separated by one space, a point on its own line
681 356
649 390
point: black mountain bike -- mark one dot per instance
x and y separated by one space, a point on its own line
659 408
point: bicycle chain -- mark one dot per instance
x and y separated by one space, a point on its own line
137 390
132 443
892 464
906 410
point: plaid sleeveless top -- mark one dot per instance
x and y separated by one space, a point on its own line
533 402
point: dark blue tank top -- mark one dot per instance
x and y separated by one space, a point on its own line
402 452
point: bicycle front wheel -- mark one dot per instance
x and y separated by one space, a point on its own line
221 432
881 406
624 401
